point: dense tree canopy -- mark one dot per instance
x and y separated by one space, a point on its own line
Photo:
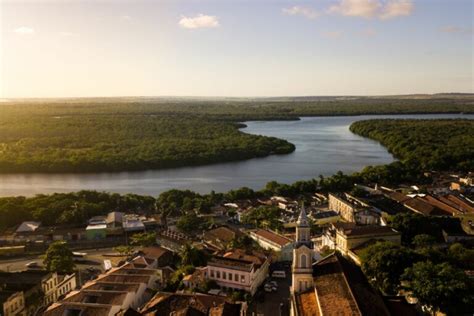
59 258
430 144
383 263
96 135
263 217
441 286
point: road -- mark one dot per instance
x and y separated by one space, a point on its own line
94 259
271 304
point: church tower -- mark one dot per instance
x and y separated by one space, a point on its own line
301 269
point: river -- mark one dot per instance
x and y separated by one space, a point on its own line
324 145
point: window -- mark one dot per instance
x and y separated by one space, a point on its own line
224 275
230 276
218 274
242 278
212 273
303 261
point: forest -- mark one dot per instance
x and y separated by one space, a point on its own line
430 144
101 143
108 135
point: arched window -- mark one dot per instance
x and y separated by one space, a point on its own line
303 261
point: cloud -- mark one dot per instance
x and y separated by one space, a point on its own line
396 8
24 30
359 8
199 21
303 11
372 8
332 34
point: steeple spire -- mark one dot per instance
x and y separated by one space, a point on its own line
302 218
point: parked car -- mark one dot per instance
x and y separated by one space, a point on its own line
279 274
32 264
268 288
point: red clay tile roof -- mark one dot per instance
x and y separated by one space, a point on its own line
333 292
420 206
86 310
102 297
154 252
222 233
399 197
272 236
201 304
440 205
375 230
307 304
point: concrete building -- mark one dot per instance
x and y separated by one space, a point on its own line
353 210
111 293
267 239
13 303
239 270
33 289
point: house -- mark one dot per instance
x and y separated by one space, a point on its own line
114 220
163 274
239 270
163 256
323 218
13 303
172 239
27 227
353 210
33 288
28 231
453 230
113 292
97 220
133 223
221 236
339 288
196 304
269 239
196 279
350 235
96 231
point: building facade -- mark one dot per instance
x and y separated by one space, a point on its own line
301 269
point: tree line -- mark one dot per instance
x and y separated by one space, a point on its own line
430 144
127 135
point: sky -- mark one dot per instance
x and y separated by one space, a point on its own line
238 48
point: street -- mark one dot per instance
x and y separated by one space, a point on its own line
94 258
271 303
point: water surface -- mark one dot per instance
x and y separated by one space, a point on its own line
324 145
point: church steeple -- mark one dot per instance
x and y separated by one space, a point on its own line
302 218
302 227
302 271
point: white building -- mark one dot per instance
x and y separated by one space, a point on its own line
268 239
301 269
238 270
112 293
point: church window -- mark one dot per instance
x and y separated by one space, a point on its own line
303 262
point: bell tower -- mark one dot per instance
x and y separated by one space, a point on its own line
301 269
